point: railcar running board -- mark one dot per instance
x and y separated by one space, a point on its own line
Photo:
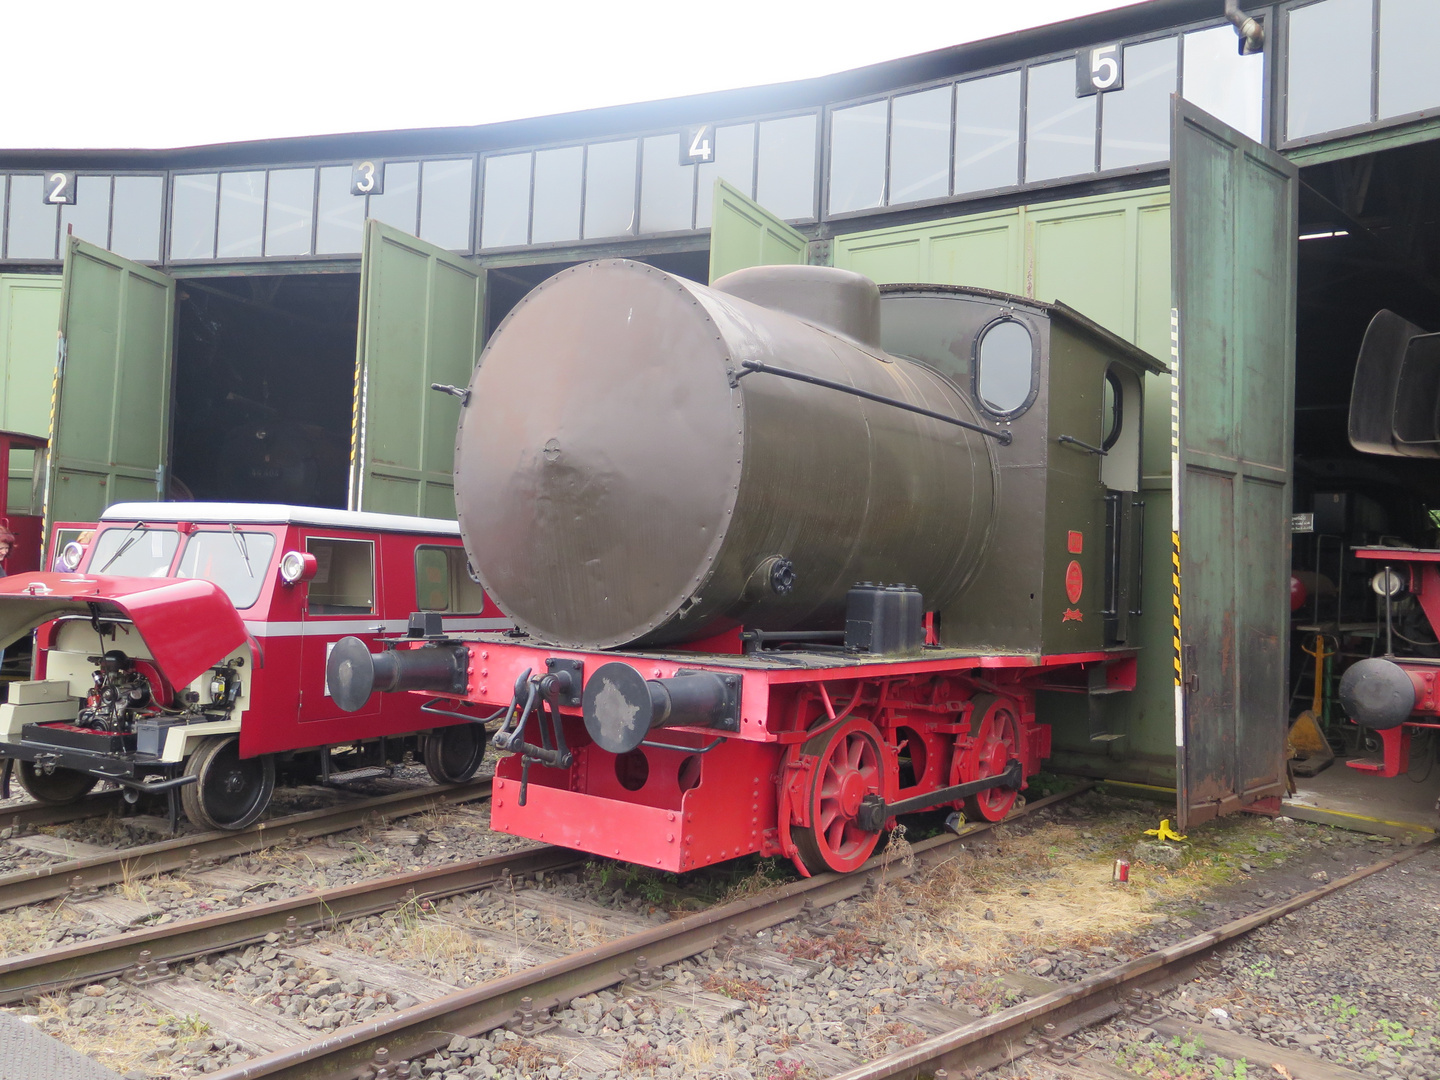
875 811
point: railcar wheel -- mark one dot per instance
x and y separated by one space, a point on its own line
452 754
230 792
57 788
849 766
997 741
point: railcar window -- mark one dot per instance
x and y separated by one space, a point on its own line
610 189
667 188
89 217
1225 84
1005 367
399 204
1329 67
289 212
734 163
920 146
505 214
1059 127
135 220
342 216
1135 121
785 177
1111 410
987 133
32 233
242 214
192 216
445 203
1409 76
556 213
126 551
857 157
344 581
238 562
442 582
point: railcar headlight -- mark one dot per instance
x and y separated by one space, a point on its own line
70 555
297 566
1388 582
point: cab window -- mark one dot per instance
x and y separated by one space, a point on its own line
443 581
1005 367
344 581
236 561
134 551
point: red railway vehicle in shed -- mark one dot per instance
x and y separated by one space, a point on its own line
182 650
696 503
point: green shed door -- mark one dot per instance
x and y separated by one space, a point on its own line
110 424
744 234
1234 255
422 310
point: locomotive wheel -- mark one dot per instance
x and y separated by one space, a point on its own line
230 792
849 766
56 788
997 741
452 754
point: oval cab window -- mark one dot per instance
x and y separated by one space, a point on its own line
1004 368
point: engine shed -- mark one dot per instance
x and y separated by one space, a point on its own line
263 321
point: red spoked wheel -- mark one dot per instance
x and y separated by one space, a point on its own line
997 741
849 765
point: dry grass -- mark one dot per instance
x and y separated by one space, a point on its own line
740 989
119 1041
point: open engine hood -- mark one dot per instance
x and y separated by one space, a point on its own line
188 624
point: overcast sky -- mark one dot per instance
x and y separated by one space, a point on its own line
159 73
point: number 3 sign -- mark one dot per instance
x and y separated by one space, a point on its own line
1098 70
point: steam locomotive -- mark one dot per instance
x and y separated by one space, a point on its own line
788 556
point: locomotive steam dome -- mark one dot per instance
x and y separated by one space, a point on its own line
617 484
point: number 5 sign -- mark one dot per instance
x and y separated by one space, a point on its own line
1098 70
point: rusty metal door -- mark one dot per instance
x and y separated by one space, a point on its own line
1233 349
744 234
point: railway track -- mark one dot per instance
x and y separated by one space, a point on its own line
77 877
31 815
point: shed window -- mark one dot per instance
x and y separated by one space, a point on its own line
242 213
445 202
1059 127
920 146
785 180
399 204
89 216
192 216
442 582
1329 78
290 212
610 189
135 224
33 229
667 188
1135 121
344 581
557 195
1005 367
987 133
857 157
505 216
1225 84
342 215
734 163
1409 76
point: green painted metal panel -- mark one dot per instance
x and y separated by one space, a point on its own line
110 428
1234 252
421 315
1368 142
29 320
744 234
984 250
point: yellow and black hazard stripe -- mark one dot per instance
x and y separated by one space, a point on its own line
1175 488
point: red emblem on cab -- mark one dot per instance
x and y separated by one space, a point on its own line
1074 581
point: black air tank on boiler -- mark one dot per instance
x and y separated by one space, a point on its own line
616 483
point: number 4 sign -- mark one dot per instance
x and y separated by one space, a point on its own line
1098 70
697 144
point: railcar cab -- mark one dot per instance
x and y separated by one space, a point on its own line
182 648
1067 577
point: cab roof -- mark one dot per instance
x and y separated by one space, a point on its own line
223 513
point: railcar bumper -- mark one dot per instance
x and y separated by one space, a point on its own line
140 771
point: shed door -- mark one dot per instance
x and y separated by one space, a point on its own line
110 419
1234 253
421 315
744 234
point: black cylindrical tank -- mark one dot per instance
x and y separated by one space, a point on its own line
616 484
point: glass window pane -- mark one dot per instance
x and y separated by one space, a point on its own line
401 201
1329 77
505 213
1409 76
667 188
987 133
610 189
857 157
290 208
342 215
1228 86
1060 128
242 213
920 146
785 181
90 214
557 195
192 216
1006 367
239 562
445 201
432 579
135 223
33 225
134 551
734 163
1135 121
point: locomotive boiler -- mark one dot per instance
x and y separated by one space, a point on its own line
789 555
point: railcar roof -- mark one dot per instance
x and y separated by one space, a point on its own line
225 513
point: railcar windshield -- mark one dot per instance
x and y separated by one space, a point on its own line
239 562
137 550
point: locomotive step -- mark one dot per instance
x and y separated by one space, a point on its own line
369 772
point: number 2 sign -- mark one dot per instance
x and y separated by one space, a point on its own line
59 189
1098 70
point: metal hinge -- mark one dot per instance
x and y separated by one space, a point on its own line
1192 677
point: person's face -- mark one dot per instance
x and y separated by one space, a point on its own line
4 550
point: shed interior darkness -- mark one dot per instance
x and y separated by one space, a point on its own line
507 286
